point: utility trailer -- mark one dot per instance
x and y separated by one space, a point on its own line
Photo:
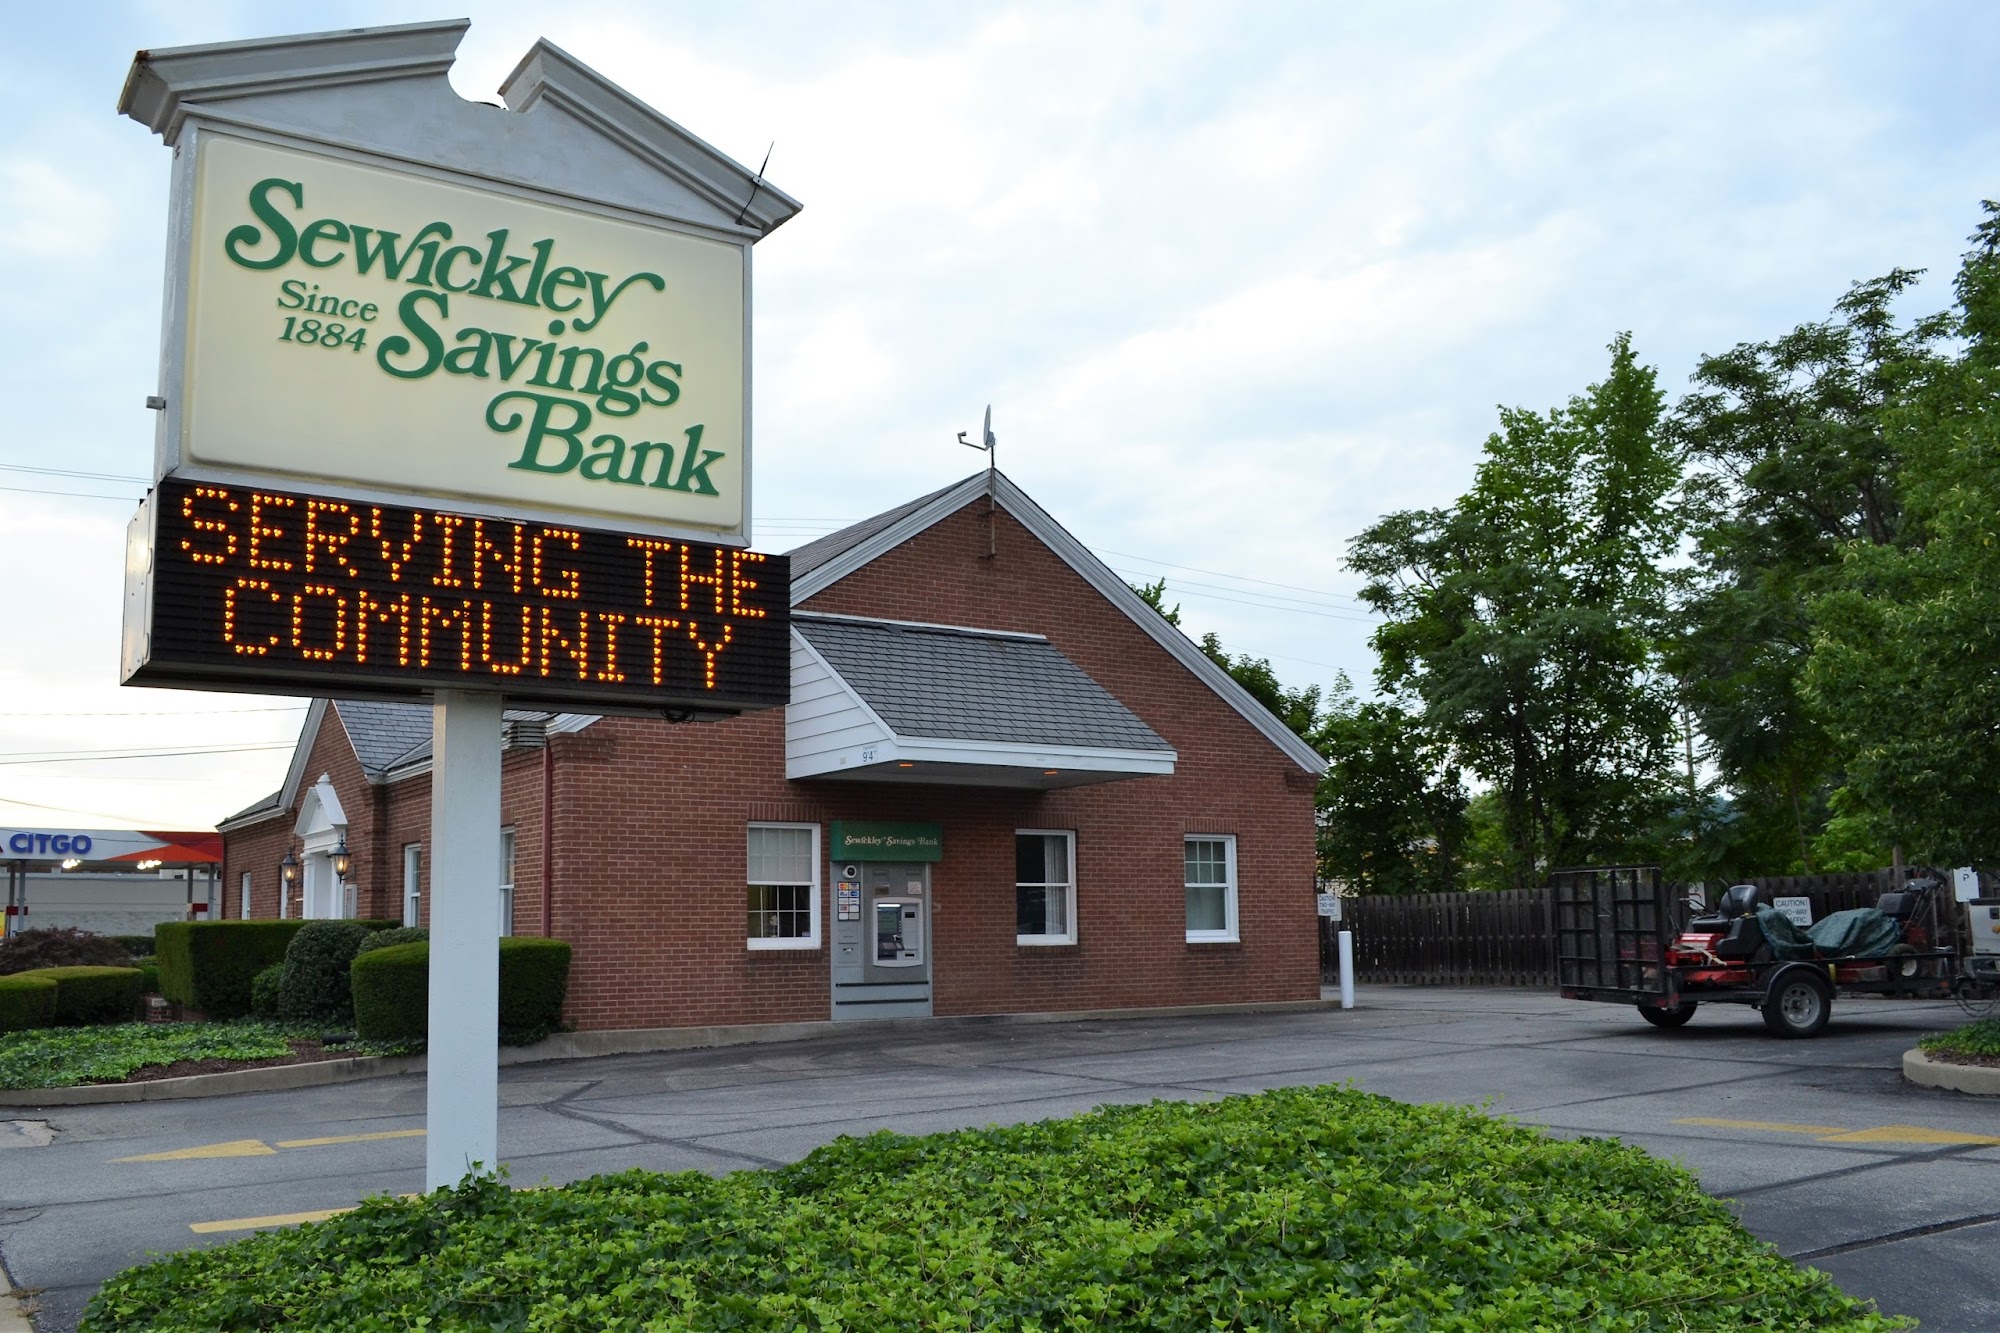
1619 940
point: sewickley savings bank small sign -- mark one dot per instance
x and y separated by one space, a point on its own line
382 291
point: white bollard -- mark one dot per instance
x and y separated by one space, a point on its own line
1347 969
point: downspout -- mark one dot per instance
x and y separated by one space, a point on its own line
548 835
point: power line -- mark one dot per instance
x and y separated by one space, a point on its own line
67 472
1273 599
129 820
1240 578
95 756
73 495
190 712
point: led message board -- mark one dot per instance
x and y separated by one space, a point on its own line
248 588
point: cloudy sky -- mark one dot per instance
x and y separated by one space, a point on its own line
1237 279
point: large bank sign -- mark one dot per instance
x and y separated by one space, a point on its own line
348 324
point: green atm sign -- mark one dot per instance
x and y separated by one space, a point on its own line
873 840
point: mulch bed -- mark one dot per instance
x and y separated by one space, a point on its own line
303 1053
1955 1058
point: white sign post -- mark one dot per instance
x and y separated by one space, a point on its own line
462 1083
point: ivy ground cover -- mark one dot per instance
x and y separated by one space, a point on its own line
65 1057
1315 1208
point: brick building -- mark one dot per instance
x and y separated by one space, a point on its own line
1004 784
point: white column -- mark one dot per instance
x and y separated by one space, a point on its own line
462 1094
1346 970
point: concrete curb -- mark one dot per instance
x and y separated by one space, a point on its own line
1980 1080
580 1046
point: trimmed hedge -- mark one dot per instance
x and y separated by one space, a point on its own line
534 982
314 987
27 1000
264 990
89 995
392 992
149 978
383 939
209 965
392 989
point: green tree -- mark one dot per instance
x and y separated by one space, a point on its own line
1793 461
1391 806
1905 665
1524 622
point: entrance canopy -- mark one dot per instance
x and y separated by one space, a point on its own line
892 701
127 849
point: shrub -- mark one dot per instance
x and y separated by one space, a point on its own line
383 939
392 992
209 965
62 946
87 995
27 1000
534 982
139 946
264 988
1303 1208
149 978
314 986
392 989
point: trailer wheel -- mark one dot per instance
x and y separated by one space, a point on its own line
1668 1018
1799 1005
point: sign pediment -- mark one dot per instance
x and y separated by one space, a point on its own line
571 131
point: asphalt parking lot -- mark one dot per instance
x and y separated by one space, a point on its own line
1822 1147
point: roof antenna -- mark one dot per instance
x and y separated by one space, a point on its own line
990 444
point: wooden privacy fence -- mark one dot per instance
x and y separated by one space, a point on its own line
1505 938
1496 939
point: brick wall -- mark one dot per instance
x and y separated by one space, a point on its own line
649 820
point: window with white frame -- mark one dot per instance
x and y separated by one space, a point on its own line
783 876
1210 861
1044 886
244 911
413 887
506 881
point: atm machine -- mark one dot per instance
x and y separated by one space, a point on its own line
881 939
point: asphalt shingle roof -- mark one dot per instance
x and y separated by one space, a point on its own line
968 684
817 552
382 733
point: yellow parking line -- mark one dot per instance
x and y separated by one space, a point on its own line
1909 1134
352 1138
234 1148
274 1220
258 1223
1774 1126
1835 1134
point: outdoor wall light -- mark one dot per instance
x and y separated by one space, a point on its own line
341 860
288 869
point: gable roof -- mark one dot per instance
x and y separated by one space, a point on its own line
837 555
943 681
390 740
